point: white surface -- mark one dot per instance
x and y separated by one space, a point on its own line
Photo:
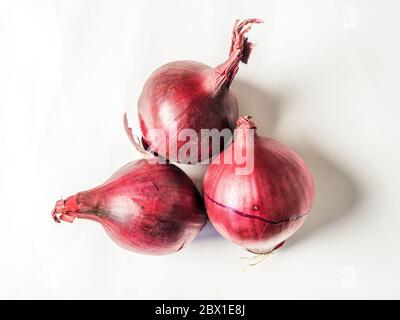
323 79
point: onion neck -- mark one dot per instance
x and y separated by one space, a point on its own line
239 52
69 209
245 123
246 134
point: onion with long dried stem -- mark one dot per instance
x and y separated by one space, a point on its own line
191 95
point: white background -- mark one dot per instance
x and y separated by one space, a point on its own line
323 79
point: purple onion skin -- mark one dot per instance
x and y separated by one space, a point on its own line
259 211
147 208
194 96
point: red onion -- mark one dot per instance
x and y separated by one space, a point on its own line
191 95
148 208
258 210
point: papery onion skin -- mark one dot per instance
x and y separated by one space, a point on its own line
148 208
259 211
192 95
